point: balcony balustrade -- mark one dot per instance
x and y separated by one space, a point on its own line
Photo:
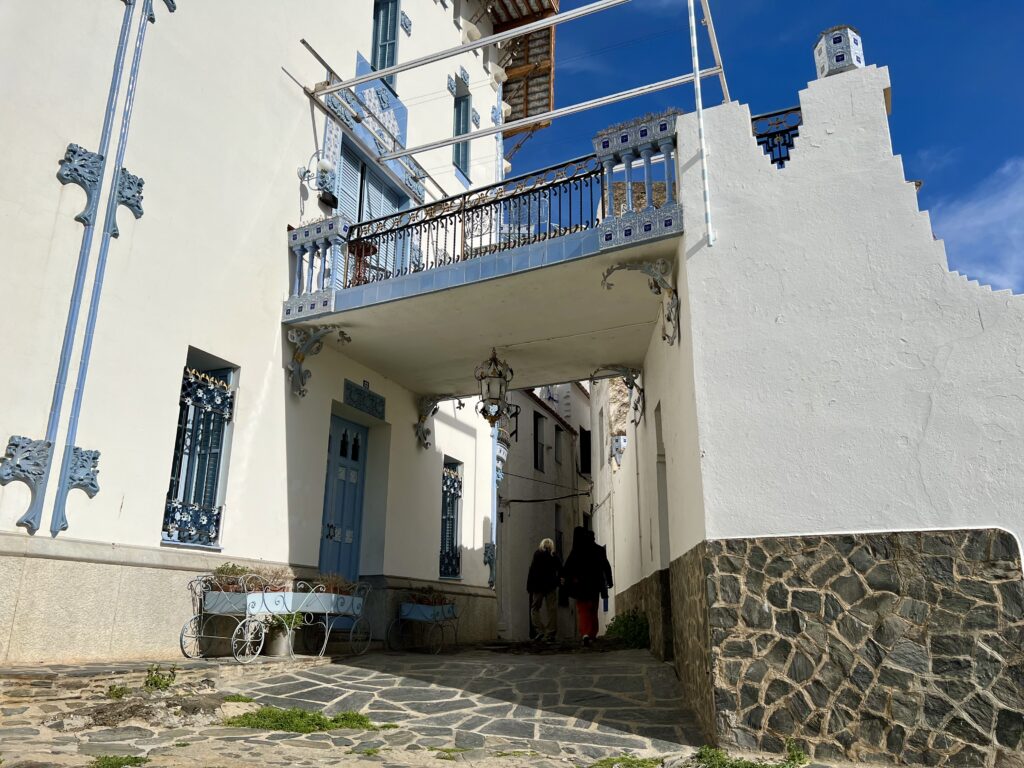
573 198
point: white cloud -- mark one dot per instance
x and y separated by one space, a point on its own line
984 229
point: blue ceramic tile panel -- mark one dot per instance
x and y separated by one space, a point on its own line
520 260
488 267
473 271
505 264
537 255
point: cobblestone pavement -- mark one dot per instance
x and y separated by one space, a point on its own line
493 710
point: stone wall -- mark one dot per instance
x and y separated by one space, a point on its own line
652 597
902 647
693 635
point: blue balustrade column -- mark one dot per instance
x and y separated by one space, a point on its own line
298 251
325 253
646 152
670 171
609 166
627 159
311 252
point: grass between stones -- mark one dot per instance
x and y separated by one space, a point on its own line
627 761
368 751
448 753
239 698
518 753
301 721
709 757
117 691
117 761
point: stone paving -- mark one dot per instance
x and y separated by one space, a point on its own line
491 709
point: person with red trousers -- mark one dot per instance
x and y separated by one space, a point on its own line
587 575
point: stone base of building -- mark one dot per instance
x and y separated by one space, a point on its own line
66 601
652 597
893 647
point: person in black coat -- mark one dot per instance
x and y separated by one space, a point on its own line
542 583
587 576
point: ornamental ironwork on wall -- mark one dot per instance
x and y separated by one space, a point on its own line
364 399
191 513
776 133
451 492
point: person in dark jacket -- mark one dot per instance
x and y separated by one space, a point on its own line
542 584
587 575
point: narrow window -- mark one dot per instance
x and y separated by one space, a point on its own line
837 39
538 441
584 451
840 57
559 439
385 36
193 511
451 495
460 152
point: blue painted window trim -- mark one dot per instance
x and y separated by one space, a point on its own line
460 151
384 50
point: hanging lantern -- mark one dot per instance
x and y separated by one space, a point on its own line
494 376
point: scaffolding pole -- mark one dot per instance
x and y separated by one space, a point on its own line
700 125
710 24
555 113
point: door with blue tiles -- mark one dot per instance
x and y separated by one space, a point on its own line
343 499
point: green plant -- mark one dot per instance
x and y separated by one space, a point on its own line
117 761
518 753
711 757
117 691
627 761
288 620
157 680
239 698
368 751
227 576
450 751
631 628
181 743
277 579
299 721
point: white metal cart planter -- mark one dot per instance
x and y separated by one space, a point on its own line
243 618
434 620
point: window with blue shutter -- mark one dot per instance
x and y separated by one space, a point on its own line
451 493
192 513
385 36
460 152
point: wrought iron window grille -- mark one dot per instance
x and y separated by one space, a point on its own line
451 493
192 514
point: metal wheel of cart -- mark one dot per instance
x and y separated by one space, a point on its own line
434 620
359 636
399 635
247 639
190 638
435 638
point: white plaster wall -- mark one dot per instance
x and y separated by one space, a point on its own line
846 381
219 129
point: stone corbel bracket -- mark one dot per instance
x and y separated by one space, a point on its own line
658 272
84 168
308 342
631 378
427 406
27 460
82 474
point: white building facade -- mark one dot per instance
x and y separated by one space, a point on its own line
226 428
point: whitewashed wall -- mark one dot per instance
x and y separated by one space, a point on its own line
219 129
846 381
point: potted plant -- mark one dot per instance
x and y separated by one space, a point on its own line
227 577
273 579
428 604
279 633
341 589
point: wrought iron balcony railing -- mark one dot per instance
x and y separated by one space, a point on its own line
528 209
569 198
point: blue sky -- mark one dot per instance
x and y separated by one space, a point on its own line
958 102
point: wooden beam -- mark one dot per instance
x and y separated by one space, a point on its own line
498 28
524 71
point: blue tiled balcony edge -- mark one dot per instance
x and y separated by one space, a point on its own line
482 268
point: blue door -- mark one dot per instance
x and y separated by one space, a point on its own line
343 499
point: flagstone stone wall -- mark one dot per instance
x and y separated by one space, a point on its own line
901 647
652 597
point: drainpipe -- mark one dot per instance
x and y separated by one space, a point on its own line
31 519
